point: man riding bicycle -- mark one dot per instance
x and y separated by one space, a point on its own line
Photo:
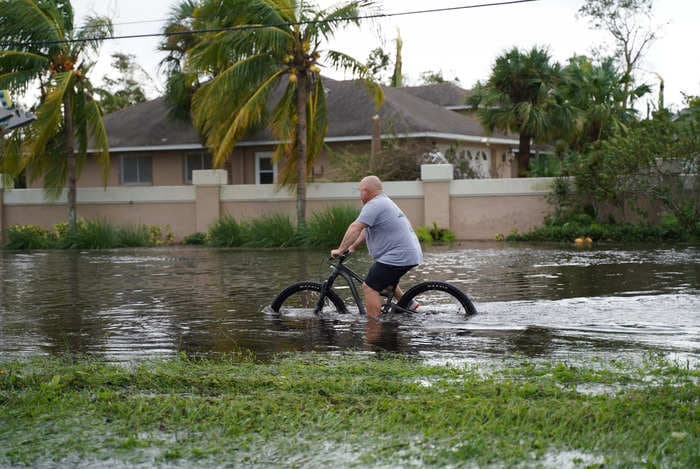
390 239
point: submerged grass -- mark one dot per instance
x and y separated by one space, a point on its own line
316 410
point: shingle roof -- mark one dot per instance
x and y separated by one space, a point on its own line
350 111
446 94
148 124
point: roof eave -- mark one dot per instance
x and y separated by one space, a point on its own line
352 138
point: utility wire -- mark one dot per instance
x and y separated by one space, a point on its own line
257 26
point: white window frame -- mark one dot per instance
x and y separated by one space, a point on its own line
260 155
139 182
188 170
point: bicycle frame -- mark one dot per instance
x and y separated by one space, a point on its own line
341 270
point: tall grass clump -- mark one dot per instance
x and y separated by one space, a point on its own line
327 227
95 234
270 231
196 239
24 237
226 232
135 236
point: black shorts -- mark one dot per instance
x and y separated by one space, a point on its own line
381 276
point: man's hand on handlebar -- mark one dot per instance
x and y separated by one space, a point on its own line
338 253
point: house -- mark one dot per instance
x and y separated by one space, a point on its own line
148 147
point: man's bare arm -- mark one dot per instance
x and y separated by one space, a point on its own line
360 239
354 231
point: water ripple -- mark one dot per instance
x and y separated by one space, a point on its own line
537 301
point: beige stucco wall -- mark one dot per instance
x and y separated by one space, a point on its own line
484 217
472 209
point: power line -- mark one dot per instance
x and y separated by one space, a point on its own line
252 27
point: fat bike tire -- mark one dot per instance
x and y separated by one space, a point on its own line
305 295
444 289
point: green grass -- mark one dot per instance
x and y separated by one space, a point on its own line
135 236
271 231
345 410
324 229
429 234
567 229
96 234
226 232
327 227
89 234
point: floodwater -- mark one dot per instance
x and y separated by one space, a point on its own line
538 301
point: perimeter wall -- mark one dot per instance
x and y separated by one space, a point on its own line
474 209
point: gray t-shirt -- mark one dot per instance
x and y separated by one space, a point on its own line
389 235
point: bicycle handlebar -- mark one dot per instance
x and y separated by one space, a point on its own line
341 258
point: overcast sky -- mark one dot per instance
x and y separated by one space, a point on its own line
461 44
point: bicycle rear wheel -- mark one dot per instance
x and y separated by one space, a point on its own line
438 297
302 297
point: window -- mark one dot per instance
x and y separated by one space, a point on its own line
136 170
194 161
265 169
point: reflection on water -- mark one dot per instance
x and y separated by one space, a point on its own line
536 301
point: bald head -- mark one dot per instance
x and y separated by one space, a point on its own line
370 186
372 183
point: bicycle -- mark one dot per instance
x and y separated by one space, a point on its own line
433 296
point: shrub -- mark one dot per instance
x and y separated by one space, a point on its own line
327 227
270 231
134 236
94 234
428 235
226 232
576 225
160 236
196 238
22 237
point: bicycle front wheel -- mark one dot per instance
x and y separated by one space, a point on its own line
302 297
438 297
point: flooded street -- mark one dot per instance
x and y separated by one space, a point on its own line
540 301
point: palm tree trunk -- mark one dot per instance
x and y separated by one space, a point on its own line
523 155
70 149
301 149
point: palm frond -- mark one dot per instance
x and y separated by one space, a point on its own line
375 91
18 70
179 88
285 130
317 118
49 113
283 120
11 161
93 32
326 22
248 89
233 86
344 62
98 133
23 21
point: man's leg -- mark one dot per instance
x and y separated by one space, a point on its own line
373 301
398 293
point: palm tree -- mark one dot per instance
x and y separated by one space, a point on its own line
519 96
266 57
598 93
42 47
179 38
